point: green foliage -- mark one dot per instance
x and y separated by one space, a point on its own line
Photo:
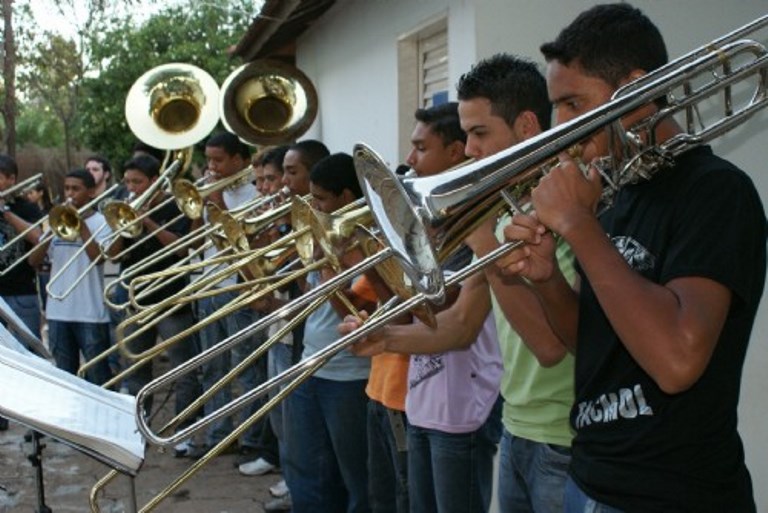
194 33
37 126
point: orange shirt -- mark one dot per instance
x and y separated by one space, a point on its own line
387 382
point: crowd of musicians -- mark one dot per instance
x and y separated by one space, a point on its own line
598 373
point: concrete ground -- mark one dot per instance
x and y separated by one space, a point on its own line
69 476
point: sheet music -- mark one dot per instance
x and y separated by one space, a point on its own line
66 407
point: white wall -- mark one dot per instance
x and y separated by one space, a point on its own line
351 55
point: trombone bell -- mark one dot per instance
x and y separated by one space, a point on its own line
268 102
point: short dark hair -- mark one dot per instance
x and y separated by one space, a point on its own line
8 165
142 147
311 151
103 161
84 176
146 164
512 85
444 122
275 157
335 173
230 143
609 41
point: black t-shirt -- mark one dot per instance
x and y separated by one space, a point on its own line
153 246
20 281
636 447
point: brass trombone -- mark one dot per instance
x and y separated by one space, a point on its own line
345 223
250 225
64 220
190 198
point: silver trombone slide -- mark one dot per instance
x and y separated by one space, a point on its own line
231 341
292 376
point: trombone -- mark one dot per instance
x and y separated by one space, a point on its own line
190 198
346 222
249 225
64 221
21 187
13 191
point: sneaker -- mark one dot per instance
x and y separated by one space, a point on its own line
257 467
245 454
283 503
279 489
184 449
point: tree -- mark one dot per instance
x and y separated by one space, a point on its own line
54 65
9 79
56 71
193 33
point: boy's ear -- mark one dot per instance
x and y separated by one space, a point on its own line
348 196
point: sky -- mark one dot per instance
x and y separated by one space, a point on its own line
48 17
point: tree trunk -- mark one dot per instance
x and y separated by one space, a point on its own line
9 77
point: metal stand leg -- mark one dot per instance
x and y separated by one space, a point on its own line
132 495
36 459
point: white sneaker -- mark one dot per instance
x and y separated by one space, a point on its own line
283 503
182 449
257 467
278 489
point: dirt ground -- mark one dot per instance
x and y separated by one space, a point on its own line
69 476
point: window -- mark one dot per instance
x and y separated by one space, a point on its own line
422 74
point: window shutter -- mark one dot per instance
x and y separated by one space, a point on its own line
433 60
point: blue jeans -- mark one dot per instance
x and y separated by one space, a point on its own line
531 475
576 501
387 459
28 309
279 358
215 369
326 448
187 387
452 472
68 339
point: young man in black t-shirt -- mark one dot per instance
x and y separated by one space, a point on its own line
158 230
662 318
17 287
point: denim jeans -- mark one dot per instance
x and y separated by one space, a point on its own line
452 472
216 368
28 309
531 475
576 501
326 448
387 459
187 387
68 339
279 359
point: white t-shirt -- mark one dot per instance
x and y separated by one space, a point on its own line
85 303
